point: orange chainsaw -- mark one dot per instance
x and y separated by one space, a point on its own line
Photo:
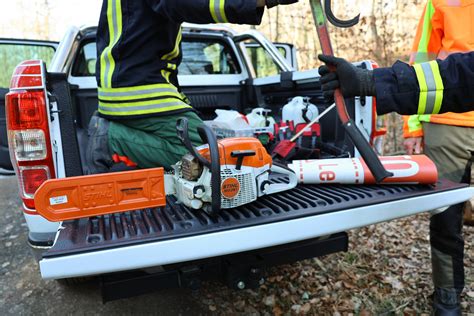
240 169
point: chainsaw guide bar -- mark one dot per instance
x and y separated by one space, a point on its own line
87 196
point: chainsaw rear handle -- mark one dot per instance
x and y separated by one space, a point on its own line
207 136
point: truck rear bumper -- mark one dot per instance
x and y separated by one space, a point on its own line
67 264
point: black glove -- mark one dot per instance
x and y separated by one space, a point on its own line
272 3
353 81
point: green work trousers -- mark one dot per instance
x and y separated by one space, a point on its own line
451 149
153 141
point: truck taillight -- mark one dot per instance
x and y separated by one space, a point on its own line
27 110
31 178
29 139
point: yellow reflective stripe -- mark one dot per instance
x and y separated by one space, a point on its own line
125 105
222 11
172 66
142 107
175 52
217 9
142 112
414 124
422 54
140 96
212 4
114 21
423 89
424 118
139 88
439 86
139 92
166 74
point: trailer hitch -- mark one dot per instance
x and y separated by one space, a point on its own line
335 20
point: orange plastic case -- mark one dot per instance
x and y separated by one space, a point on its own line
86 196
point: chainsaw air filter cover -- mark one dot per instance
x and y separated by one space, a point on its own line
190 168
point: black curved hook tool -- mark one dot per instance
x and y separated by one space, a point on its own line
335 20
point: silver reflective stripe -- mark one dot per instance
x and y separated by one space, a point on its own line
136 93
431 85
217 11
127 109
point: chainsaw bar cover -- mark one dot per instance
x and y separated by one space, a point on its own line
87 196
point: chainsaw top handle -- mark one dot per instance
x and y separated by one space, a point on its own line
207 136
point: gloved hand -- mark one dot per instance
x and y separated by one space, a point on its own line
353 81
272 3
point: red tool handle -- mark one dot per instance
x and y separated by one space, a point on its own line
366 151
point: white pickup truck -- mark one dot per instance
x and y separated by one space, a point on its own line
48 111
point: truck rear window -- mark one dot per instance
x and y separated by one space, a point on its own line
200 57
207 57
12 54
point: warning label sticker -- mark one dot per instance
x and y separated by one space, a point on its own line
58 200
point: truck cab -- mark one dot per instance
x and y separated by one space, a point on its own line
177 246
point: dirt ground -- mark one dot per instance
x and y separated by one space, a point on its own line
386 272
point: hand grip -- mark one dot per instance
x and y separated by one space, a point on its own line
366 151
370 157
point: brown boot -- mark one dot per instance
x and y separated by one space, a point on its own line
468 214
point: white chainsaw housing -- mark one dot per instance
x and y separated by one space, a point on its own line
253 183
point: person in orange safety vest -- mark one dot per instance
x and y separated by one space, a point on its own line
446 27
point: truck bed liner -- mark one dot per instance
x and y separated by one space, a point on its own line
177 221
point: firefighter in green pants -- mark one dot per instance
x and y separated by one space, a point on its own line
139 51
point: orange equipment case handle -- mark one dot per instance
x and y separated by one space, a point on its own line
94 195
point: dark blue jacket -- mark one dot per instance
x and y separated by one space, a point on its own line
430 88
139 51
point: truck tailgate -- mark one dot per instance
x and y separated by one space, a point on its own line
161 236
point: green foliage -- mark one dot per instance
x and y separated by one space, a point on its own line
13 54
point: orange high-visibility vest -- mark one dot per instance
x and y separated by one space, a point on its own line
446 27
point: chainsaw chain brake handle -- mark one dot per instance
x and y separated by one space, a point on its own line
207 136
368 154
336 21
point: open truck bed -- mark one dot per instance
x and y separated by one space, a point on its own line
176 234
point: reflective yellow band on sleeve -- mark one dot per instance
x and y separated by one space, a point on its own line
217 9
439 86
431 87
423 88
